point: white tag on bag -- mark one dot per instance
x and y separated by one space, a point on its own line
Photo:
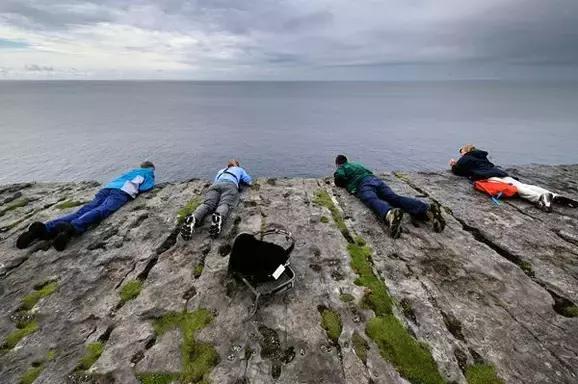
279 271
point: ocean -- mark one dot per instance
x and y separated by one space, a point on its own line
93 130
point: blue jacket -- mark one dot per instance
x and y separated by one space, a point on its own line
235 175
134 181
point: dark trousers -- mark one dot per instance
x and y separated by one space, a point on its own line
104 204
374 193
221 197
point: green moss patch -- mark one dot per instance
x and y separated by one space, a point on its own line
570 311
44 290
130 290
198 359
198 270
482 374
377 298
24 318
360 346
15 336
156 378
33 372
188 209
412 359
324 219
92 353
527 268
69 204
331 322
51 355
346 297
14 205
323 199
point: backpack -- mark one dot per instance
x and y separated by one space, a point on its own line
257 259
496 189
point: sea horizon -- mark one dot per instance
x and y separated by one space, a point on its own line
94 129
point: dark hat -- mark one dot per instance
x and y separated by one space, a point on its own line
147 164
340 159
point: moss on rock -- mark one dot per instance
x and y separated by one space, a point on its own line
14 205
156 378
346 297
198 270
331 322
69 204
377 297
360 346
15 336
92 353
44 290
482 374
33 372
198 359
323 199
188 209
570 311
412 359
130 290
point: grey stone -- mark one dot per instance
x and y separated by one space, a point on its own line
492 287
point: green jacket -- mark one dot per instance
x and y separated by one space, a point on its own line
349 175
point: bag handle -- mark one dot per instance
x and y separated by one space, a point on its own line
288 236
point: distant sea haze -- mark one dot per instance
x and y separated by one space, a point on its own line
92 130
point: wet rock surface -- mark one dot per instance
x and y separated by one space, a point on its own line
498 287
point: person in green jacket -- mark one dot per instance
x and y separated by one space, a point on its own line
385 203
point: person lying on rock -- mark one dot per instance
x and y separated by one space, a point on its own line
221 197
474 164
385 203
108 200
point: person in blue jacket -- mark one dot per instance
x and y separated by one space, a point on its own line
107 201
221 197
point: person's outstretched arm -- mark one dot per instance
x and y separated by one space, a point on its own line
339 178
148 183
460 167
245 178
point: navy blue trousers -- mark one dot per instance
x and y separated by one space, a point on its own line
104 204
374 193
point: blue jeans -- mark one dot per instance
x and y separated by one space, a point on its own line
104 204
374 193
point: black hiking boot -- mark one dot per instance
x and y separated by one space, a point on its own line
188 227
393 221
434 213
566 201
216 225
65 232
545 202
36 231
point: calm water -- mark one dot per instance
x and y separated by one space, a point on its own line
80 130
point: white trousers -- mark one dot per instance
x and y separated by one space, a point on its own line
528 192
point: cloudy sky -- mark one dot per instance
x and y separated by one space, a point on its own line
288 40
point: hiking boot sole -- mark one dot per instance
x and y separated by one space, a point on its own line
438 221
566 201
216 226
395 223
545 202
188 228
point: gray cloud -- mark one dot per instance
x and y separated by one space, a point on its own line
318 38
39 68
